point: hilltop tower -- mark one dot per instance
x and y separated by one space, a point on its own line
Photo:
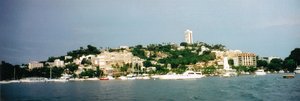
188 36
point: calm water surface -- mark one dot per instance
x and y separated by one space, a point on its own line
271 87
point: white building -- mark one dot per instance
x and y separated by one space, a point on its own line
58 63
124 47
35 64
108 59
188 36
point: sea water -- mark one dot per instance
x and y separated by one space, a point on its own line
271 87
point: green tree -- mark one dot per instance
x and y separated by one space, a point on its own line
124 68
275 64
290 65
88 73
252 69
262 63
71 67
209 70
147 63
56 72
183 44
9 71
98 72
86 61
295 55
241 68
231 62
139 53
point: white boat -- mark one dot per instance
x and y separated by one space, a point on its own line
169 76
107 78
122 78
34 79
297 71
260 72
229 73
63 78
4 82
185 75
57 80
281 71
10 81
14 81
92 79
76 79
131 77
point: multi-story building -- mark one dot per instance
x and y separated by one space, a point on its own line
58 63
245 59
188 36
35 64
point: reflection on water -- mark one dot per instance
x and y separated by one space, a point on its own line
270 87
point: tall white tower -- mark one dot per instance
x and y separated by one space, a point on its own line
188 36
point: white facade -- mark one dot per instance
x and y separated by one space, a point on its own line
35 64
107 59
188 36
226 65
245 59
58 63
124 47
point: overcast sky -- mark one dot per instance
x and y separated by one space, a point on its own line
38 29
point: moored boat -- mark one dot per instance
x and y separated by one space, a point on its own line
92 79
185 75
107 78
34 79
297 71
260 72
288 76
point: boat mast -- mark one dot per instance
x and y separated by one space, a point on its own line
50 73
14 73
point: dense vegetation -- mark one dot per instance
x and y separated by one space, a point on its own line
170 54
90 50
288 64
164 57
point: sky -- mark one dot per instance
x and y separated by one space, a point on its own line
37 29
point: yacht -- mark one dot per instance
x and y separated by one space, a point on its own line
169 76
297 71
92 79
185 75
77 79
63 78
4 82
260 72
34 79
